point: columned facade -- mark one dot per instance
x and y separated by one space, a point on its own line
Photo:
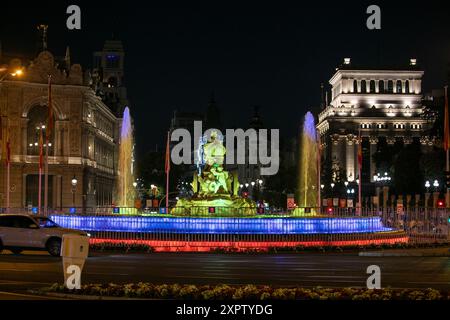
83 142
377 105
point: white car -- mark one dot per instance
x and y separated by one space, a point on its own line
20 232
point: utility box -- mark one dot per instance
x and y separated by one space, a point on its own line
74 251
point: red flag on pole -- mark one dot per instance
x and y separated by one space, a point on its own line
167 164
2 151
48 132
359 173
446 124
8 152
359 150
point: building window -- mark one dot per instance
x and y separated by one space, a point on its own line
365 126
390 87
381 86
407 86
363 86
399 86
32 190
112 82
112 61
355 86
372 86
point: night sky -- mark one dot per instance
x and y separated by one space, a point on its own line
264 54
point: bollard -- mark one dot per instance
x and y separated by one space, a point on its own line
74 251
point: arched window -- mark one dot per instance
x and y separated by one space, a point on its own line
355 86
390 87
407 86
37 123
372 86
363 86
381 86
399 86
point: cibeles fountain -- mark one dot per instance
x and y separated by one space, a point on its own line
216 217
212 185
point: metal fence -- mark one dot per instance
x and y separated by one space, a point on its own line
413 225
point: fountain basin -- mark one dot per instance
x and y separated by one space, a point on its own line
193 225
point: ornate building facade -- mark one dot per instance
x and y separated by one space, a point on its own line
82 144
383 106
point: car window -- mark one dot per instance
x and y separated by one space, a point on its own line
22 222
6 221
46 223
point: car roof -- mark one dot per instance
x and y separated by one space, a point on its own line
16 215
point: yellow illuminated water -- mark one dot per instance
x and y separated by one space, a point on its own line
126 192
307 196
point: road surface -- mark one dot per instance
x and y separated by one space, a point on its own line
18 273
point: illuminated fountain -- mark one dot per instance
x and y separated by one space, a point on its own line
213 186
126 192
308 188
216 217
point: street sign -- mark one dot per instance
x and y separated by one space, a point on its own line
335 202
349 203
291 202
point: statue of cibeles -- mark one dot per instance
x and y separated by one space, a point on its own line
214 150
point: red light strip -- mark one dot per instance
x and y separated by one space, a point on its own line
204 246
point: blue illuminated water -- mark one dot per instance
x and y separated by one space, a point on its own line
222 225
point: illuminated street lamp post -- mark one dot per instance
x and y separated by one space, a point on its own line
74 189
436 193
427 193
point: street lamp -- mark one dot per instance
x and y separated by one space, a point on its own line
427 185
135 184
15 73
346 183
253 183
74 188
436 184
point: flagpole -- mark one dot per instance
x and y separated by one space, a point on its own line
46 148
359 175
40 172
8 166
319 189
446 146
167 167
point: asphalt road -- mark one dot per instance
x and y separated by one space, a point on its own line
21 272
